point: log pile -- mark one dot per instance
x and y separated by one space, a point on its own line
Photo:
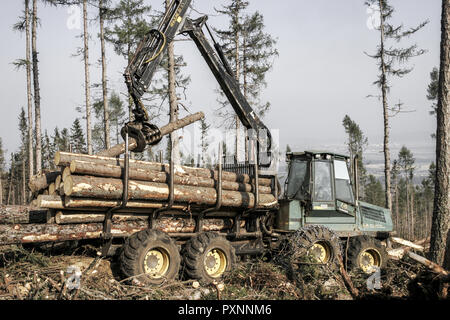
86 186
91 181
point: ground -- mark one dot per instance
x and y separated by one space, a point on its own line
39 273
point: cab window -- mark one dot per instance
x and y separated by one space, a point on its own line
298 180
322 181
342 182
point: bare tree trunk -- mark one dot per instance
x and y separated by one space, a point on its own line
173 103
37 97
86 78
24 189
11 178
1 187
441 210
104 83
29 96
387 155
412 214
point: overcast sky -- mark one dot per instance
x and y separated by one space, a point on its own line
321 73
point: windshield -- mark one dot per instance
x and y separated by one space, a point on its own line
342 182
298 180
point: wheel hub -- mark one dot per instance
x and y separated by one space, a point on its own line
320 251
215 263
156 263
370 260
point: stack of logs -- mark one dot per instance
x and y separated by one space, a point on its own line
86 186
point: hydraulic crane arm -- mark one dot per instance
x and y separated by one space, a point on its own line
140 71
225 77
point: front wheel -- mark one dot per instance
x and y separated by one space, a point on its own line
311 244
366 253
150 257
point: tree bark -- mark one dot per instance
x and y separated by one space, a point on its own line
108 188
37 96
111 171
87 86
104 81
441 210
29 95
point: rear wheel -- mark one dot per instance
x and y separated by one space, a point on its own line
207 257
366 253
150 257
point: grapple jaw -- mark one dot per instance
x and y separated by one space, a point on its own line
143 132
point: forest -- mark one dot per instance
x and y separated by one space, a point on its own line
420 207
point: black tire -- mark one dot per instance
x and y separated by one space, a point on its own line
311 244
150 257
365 251
208 250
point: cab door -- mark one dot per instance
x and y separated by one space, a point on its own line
332 204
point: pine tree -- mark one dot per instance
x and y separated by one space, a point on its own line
116 113
65 140
22 156
390 59
129 28
374 191
77 137
356 143
406 163
251 52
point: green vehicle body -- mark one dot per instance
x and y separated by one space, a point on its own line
304 203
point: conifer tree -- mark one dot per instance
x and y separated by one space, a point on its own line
129 27
356 143
391 61
251 52
77 137
406 162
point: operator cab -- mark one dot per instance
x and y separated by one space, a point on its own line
319 190
321 178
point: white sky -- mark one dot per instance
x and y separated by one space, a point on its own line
321 73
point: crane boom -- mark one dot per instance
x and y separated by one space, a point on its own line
139 73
